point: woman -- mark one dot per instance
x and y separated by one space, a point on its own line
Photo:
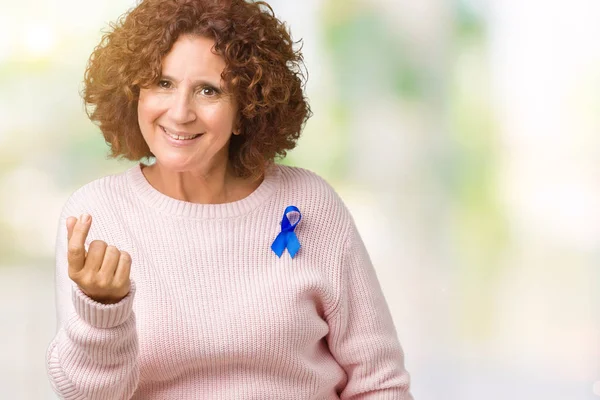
212 273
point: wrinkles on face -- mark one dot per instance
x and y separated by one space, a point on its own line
187 100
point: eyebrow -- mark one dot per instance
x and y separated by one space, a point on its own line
199 82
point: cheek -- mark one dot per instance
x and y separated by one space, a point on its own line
148 109
221 119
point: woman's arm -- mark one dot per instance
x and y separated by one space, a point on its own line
362 335
94 354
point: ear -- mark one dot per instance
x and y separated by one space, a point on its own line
236 127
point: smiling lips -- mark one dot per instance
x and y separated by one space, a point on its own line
179 135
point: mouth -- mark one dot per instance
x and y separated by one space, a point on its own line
179 137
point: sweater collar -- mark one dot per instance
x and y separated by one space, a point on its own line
155 199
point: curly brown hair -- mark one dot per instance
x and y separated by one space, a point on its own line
263 73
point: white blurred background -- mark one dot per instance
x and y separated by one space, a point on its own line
463 135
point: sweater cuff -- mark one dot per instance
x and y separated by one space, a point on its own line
101 315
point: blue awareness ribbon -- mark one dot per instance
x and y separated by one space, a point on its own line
287 237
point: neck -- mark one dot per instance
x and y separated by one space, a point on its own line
216 186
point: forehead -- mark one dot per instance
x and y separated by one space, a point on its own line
192 56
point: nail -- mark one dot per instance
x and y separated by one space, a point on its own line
85 218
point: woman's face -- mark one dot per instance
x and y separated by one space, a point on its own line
186 118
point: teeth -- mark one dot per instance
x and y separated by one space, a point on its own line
179 137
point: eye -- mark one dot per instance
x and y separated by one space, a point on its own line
208 91
164 84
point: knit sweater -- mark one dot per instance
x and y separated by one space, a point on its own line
213 312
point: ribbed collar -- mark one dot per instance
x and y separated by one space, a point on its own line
155 199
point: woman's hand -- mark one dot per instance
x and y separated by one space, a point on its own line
102 273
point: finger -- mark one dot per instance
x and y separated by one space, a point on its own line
81 229
76 247
71 221
123 268
109 264
95 255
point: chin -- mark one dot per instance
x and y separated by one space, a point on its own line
175 164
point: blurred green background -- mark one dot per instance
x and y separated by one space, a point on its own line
463 135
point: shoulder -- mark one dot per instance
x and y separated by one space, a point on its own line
305 177
99 195
306 183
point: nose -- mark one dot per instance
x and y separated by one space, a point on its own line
181 109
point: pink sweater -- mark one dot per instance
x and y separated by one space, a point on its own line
213 313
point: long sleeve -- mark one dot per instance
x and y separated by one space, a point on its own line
362 336
94 354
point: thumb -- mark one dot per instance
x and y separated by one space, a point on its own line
71 221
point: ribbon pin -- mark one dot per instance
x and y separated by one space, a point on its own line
287 238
